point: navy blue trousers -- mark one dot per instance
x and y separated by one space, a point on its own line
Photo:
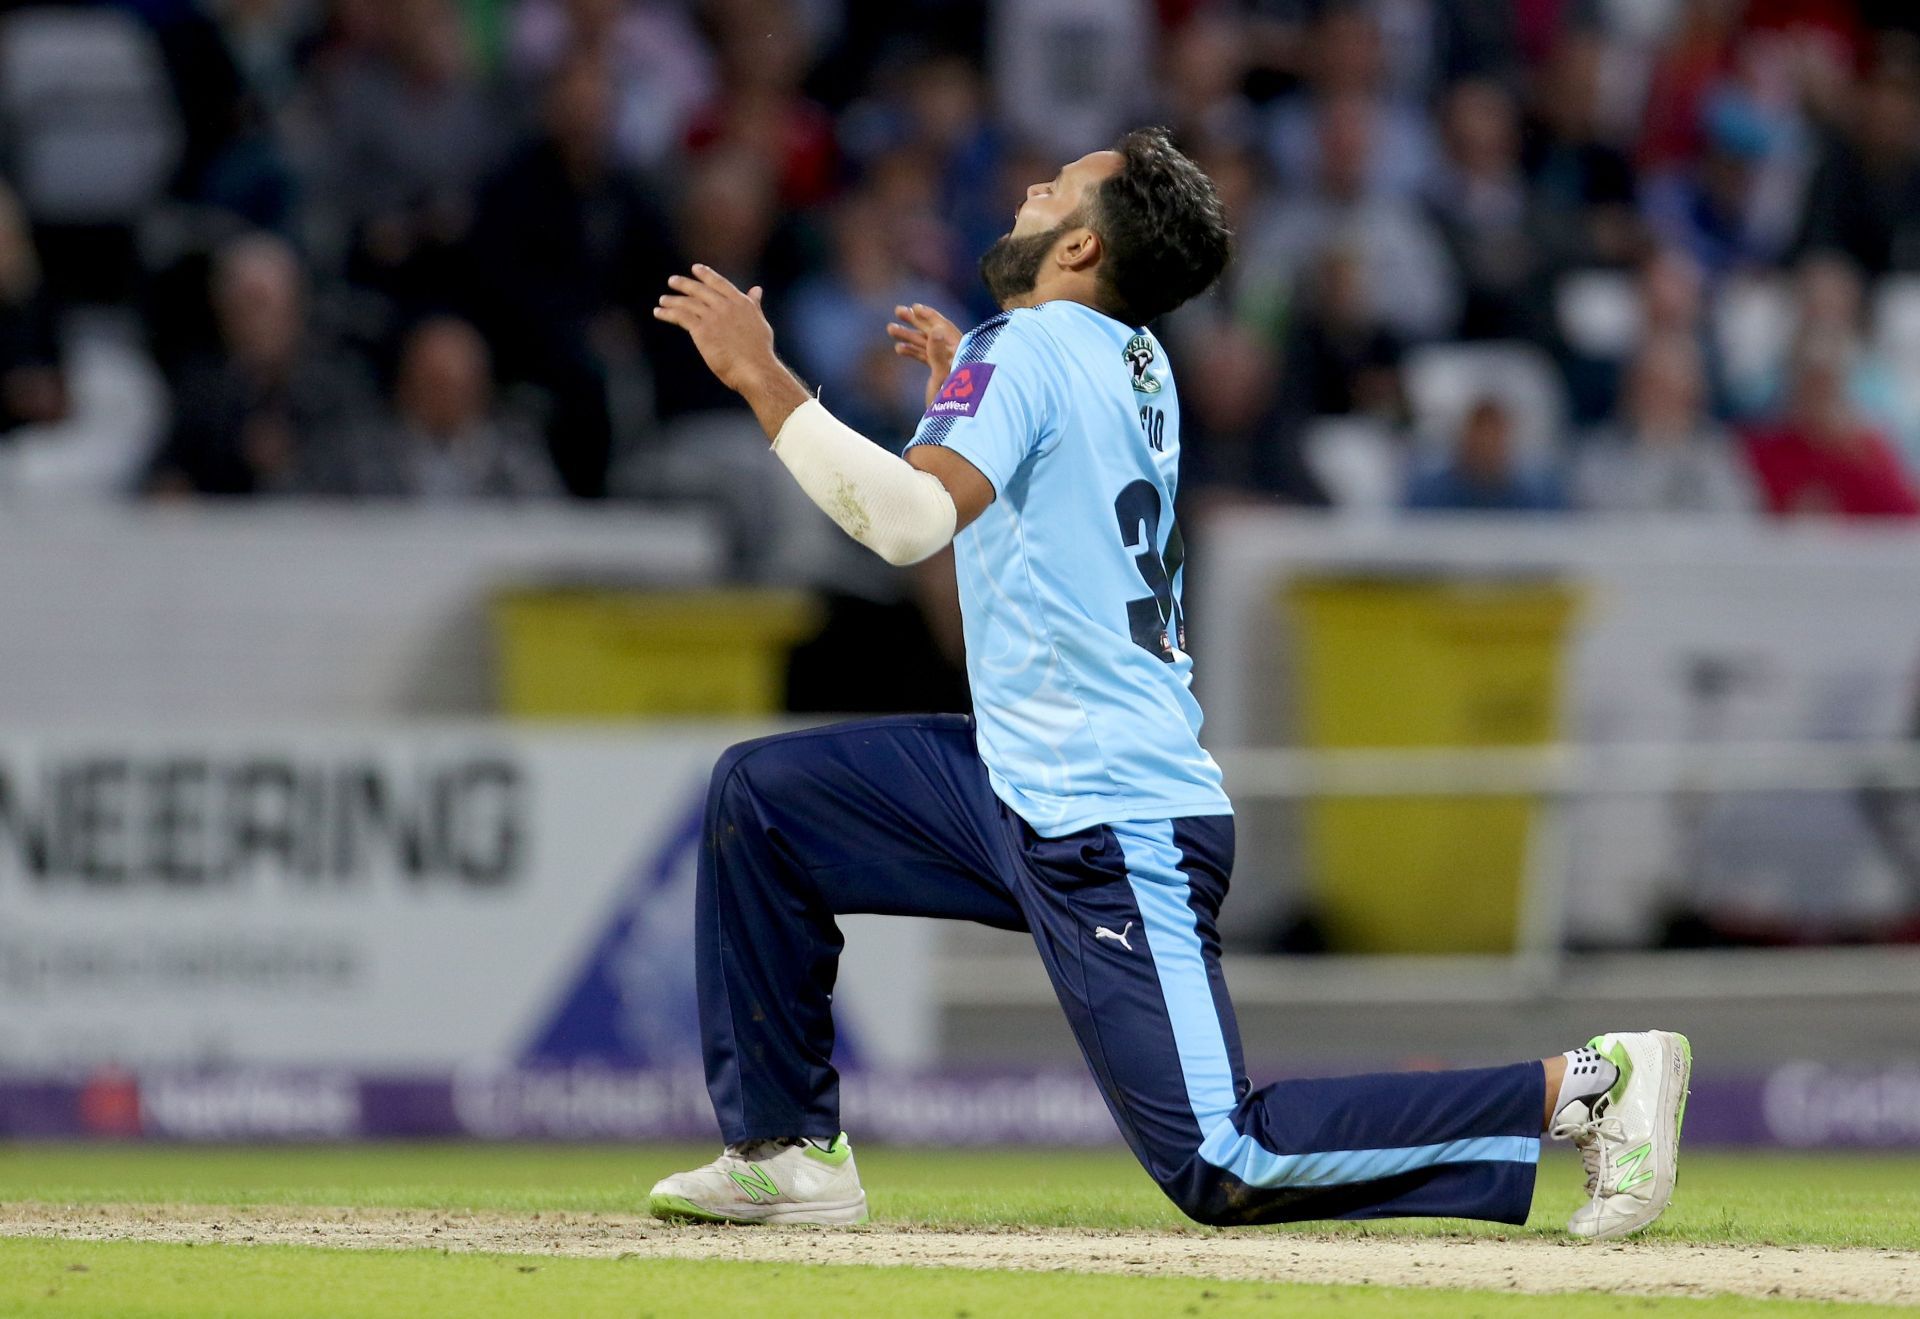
896 816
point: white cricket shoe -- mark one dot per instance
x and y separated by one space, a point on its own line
768 1181
1629 1138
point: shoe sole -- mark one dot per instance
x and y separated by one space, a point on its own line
679 1209
1676 1078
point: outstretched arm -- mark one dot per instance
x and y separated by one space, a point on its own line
901 511
736 342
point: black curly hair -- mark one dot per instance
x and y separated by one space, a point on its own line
1161 224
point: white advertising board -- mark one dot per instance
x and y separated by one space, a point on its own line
384 900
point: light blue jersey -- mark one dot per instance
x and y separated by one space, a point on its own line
1070 580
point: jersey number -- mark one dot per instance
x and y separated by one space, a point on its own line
1154 422
1154 620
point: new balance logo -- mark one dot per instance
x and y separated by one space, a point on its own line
758 1186
1632 1164
1102 932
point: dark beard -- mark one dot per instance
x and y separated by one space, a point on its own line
1012 265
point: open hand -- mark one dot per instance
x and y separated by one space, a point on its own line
726 325
926 336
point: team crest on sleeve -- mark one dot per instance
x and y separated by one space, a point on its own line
960 396
1139 357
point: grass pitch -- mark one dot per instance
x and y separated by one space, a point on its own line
1866 1204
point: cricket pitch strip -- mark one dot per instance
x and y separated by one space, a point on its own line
1521 1264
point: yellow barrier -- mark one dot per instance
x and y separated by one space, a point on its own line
611 653
1398 662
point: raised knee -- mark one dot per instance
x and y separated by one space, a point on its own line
1197 1190
1202 1203
728 765
748 768
728 788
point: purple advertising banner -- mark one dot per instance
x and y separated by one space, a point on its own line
1798 1105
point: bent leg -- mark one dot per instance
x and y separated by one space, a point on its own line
1153 1019
893 816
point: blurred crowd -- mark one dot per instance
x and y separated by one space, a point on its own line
1620 255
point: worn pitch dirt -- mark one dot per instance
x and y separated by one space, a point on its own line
1652 1268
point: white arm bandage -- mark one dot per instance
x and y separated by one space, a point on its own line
892 507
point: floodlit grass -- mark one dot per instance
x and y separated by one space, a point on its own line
144 1279
1724 1198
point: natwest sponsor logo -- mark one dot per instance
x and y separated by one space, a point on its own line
250 1105
961 394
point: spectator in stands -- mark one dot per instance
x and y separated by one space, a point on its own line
230 159
1243 180
1820 457
831 319
906 188
1865 197
660 71
760 106
1204 72
950 139
1737 205
1830 306
266 40
445 441
1408 275
1229 343
33 386
1342 359
1664 454
566 243
1583 184
1231 435
1069 73
1483 474
727 217
1482 205
269 408
1672 300
408 134
709 450
1696 53
1713 210
1346 70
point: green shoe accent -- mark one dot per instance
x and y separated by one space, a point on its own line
677 1208
1617 1055
1686 1051
833 1155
